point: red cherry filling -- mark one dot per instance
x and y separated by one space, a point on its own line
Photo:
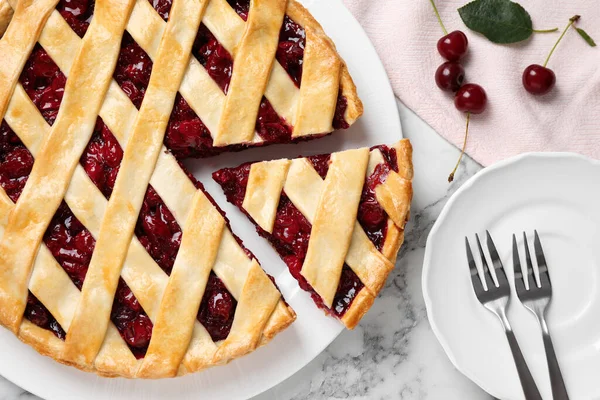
217 308
241 7
214 57
37 313
102 158
131 321
186 135
320 163
339 119
162 7
133 69
371 216
158 231
234 181
290 50
270 126
43 82
15 162
77 13
70 244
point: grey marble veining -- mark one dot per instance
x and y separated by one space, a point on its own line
392 354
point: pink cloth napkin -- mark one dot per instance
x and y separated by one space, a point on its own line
405 34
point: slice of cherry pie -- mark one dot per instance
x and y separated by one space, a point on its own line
337 220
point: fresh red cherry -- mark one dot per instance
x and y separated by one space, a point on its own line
471 98
450 76
538 80
453 46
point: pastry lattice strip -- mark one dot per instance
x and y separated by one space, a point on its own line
167 176
330 204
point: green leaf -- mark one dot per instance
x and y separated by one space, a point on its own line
586 37
501 21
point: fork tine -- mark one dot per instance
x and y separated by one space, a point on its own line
518 271
475 279
498 267
541 260
530 274
489 280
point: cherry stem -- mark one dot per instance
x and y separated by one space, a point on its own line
438 17
545 30
571 21
462 152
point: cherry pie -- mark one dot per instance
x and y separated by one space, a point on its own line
337 220
112 258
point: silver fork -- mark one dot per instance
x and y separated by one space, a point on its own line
536 300
495 298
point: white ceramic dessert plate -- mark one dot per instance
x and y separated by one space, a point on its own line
312 331
559 195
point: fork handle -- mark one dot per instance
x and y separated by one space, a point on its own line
527 383
559 391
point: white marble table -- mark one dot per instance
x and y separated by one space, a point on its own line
393 353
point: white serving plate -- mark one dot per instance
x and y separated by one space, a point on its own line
559 195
